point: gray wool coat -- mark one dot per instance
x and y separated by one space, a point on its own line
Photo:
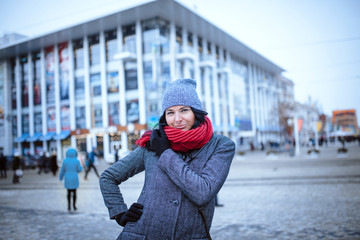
173 190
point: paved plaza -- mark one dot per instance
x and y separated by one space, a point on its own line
264 197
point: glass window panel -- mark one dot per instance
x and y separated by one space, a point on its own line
97 121
79 87
131 79
114 117
132 111
80 117
113 82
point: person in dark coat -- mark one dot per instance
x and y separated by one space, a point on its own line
42 162
53 163
3 163
185 166
69 170
90 163
116 154
16 166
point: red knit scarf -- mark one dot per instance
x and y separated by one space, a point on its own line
183 141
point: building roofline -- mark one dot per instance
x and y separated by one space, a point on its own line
168 9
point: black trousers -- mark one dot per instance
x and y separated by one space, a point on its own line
89 168
73 193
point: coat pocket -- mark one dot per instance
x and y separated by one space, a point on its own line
131 236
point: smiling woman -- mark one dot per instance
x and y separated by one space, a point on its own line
185 167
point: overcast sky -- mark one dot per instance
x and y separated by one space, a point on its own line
316 42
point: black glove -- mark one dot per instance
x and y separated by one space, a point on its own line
132 215
159 141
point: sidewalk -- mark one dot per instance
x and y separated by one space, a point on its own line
326 152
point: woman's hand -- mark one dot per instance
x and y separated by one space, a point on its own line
132 215
159 141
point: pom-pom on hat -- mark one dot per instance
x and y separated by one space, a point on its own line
181 92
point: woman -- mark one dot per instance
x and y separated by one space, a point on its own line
185 166
70 169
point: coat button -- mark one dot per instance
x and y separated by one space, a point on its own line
175 202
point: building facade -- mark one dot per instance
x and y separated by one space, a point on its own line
100 83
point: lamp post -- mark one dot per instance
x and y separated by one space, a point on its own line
296 134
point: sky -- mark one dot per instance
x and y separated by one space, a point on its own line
317 43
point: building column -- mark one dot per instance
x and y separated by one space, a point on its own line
140 77
197 68
251 94
122 92
172 51
105 109
57 100
72 93
43 98
215 90
207 92
18 101
7 109
31 101
88 99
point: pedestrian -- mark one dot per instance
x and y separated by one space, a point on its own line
16 166
185 166
42 162
3 163
53 163
90 163
116 156
69 170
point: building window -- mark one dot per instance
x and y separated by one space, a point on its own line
97 115
165 73
80 117
94 50
38 122
51 119
200 45
190 41
13 84
111 44
209 48
114 110
37 79
49 75
132 111
131 79
156 35
24 82
95 84
78 54
179 39
79 87
65 117
14 125
113 82
129 38
64 70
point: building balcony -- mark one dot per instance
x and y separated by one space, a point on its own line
185 53
224 68
207 61
125 56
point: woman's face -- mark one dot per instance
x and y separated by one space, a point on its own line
180 117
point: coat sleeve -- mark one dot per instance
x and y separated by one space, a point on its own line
200 187
78 167
62 171
119 172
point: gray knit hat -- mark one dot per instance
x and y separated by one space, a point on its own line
181 92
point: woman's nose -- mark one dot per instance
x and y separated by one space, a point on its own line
177 117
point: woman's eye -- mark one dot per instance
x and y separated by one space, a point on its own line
185 110
169 113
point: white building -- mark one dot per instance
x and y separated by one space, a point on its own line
100 83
